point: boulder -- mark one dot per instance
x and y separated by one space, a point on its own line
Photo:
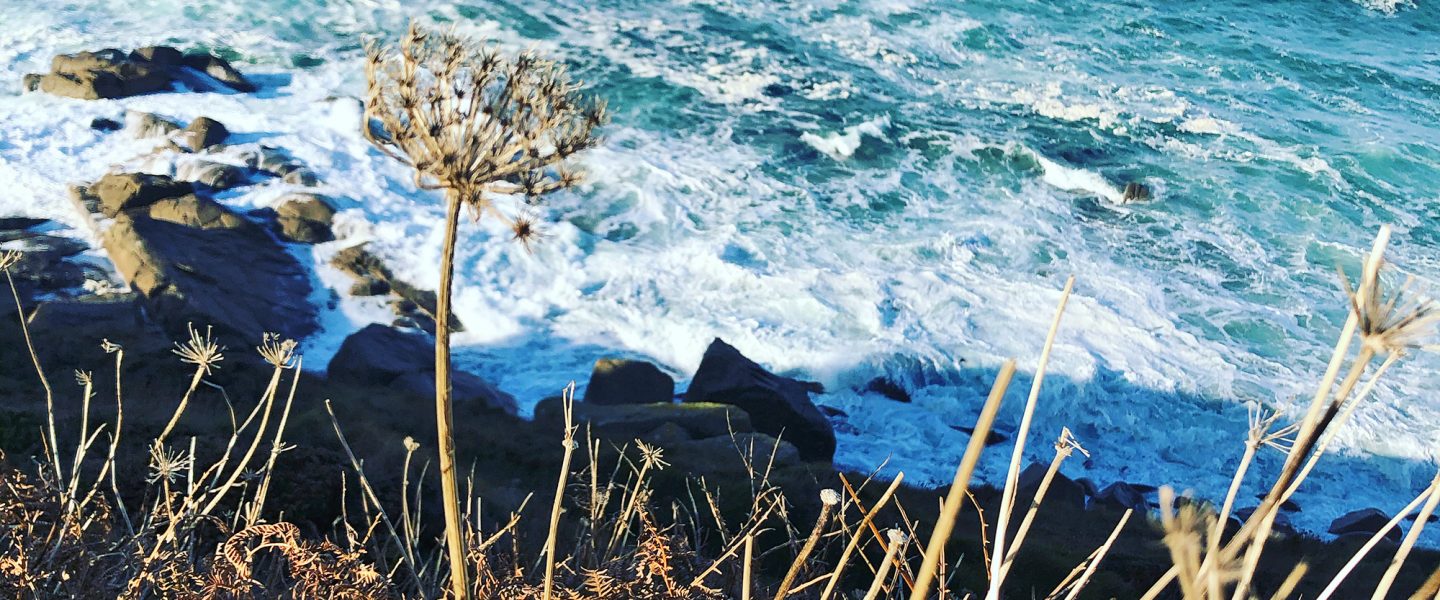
778 406
1121 495
1365 521
413 305
621 423
306 218
127 191
302 177
888 388
275 162
723 453
194 261
369 286
106 125
405 362
1063 491
115 318
1282 521
104 74
159 55
195 211
220 69
203 133
31 82
213 175
620 381
1136 192
143 125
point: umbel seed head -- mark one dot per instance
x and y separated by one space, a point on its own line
829 497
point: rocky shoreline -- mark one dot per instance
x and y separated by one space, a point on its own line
188 259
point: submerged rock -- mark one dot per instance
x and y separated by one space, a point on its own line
106 125
620 381
1136 192
143 125
213 175
405 362
778 406
888 388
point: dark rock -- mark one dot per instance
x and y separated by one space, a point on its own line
159 55
145 125
832 412
31 82
127 191
992 438
1365 521
383 356
1412 517
1121 495
302 177
621 423
1063 491
220 69
887 388
723 452
1088 485
620 381
103 124
1287 506
275 162
1136 192
214 175
421 307
306 218
1282 522
19 223
369 286
196 262
115 318
203 133
778 406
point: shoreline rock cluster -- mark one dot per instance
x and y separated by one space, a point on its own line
111 73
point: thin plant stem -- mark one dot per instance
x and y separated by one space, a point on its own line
1375 539
945 522
1421 518
568 404
897 541
444 414
859 533
828 499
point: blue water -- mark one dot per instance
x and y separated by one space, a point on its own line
862 188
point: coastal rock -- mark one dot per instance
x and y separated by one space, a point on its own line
107 73
213 175
778 406
220 69
114 318
106 125
111 73
1063 491
275 162
369 286
1121 495
413 306
621 423
126 191
620 381
194 261
888 388
1282 521
992 438
306 218
31 82
302 177
1365 521
1136 192
404 362
143 125
203 133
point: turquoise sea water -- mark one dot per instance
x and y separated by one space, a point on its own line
848 189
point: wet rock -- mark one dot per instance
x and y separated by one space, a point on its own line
1121 495
213 175
107 73
1282 522
143 125
275 162
620 381
888 388
1287 506
31 82
194 261
778 406
159 55
302 177
621 423
369 286
203 133
106 125
220 69
1063 491
832 412
1365 521
992 438
1136 192
414 304
195 211
405 362
19 223
126 191
306 218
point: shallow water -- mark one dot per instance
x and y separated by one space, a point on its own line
849 189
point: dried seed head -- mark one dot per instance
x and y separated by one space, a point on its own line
166 465
110 347
896 536
829 497
1067 443
651 455
410 444
527 231
83 377
1405 320
277 352
200 350
8 259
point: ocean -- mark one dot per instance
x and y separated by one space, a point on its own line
854 189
